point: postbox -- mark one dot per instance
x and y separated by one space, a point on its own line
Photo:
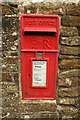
39 56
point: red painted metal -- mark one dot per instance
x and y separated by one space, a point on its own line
39 33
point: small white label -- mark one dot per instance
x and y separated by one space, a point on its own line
39 73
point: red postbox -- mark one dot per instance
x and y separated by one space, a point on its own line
39 56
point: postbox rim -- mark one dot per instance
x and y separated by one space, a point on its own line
32 29
34 15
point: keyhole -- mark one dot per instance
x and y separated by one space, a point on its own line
29 75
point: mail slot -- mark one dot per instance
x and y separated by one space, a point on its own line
39 56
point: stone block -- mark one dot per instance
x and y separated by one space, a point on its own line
71 41
8 60
6 10
66 50
0 68
9 53
48 115
0 54
6 77
69 73
69 92
67 64
11 98
68 112
9 68
13 4
66 101
64 81
77 102
7 37
30 8
10 24
9 9
74 11
10 46
78 30
0 75
51 107
48 8
10 87
68 57
48 12
16 78
58 11
69 101
68 31
70 21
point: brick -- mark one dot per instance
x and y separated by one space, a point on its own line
74 10
69 92
66 50
10 60
6 77
70 20
70 40
68 81
67 64
9 24
68 31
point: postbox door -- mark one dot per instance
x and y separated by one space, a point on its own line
40 87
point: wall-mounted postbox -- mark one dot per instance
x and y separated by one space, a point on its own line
39 56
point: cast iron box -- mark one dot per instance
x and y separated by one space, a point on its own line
39 56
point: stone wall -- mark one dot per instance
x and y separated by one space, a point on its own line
67 103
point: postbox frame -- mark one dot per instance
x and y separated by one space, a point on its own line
44 51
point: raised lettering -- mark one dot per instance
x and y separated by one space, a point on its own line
44 23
